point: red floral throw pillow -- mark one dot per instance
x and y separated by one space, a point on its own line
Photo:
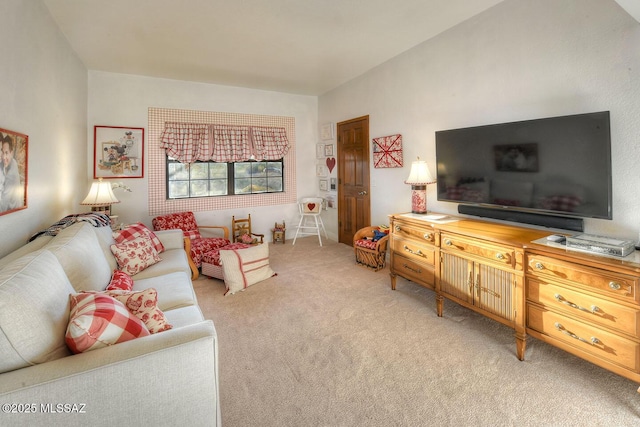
135 255
120 281
144 305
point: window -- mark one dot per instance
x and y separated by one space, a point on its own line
207 179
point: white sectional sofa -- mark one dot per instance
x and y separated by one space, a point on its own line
167 378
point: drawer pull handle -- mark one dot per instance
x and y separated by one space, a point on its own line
592 341
614 286
412 269
539 266
397 228
427 236
594 308
448 242
499 256
418 252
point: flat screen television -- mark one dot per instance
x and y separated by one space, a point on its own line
557 166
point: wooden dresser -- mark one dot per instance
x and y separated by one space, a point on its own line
588 305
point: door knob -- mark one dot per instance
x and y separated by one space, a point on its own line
363 193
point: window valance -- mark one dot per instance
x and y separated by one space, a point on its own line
190 142
186 142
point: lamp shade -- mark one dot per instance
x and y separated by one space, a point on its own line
419 174
100 194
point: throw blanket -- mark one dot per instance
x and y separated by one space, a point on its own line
94 218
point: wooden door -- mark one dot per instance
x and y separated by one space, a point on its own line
354 204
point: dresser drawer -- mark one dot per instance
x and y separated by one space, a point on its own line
416 272
499 254
425 234
413 250
603 344
608 283
586 307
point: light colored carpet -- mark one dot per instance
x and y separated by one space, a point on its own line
328 343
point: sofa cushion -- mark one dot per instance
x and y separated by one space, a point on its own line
78 251
135 255
98 320
173 260
120 281
138 230
144 305
175 290
34 311
245 267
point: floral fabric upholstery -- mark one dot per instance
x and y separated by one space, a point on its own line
186 221
213 256
199 247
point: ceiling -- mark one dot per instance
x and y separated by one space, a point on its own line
296 46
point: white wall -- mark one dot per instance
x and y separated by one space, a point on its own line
123 100
519 60
44 95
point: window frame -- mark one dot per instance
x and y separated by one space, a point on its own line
231 179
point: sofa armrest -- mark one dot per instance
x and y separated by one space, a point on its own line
171 239
169 378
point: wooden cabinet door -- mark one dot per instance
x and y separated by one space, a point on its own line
456 277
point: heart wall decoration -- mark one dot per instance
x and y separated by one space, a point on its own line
331 163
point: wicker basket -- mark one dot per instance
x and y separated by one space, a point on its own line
368 253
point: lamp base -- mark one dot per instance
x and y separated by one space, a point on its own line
419 199
102 209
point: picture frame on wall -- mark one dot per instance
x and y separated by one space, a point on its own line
326 132
319 151
324 185
328 150
321 170
13 176
118 152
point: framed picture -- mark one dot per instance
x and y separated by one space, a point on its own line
319 151
324 185
13 176
328 150
516 157
321 170
334 182
118 152
387 151
326 132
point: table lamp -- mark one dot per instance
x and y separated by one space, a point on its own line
419 177
100 197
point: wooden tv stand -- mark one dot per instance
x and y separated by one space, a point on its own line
585 304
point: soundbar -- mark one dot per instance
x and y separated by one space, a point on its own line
552 221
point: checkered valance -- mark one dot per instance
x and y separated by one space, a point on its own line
186 142
189 142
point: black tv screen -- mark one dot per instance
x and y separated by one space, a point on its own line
555 166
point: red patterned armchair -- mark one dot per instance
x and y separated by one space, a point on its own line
195 243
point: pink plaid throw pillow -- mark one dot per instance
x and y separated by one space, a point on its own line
97 320
137 230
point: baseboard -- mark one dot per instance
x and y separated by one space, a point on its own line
551 221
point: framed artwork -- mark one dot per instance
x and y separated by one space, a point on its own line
319 151
321 170
118 152
326 132
387 151
334 182
324 185
516 158
328 150
13 171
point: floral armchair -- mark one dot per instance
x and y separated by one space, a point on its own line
195 243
